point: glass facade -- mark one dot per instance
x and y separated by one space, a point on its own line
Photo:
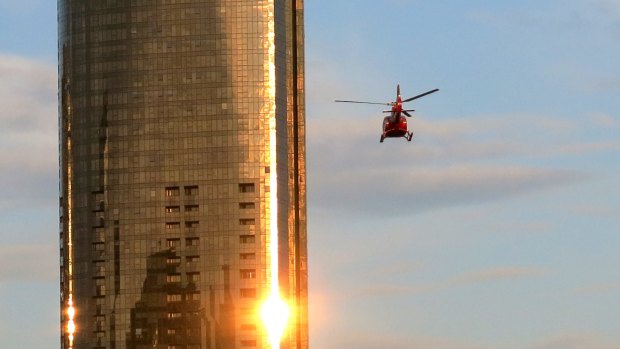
176 119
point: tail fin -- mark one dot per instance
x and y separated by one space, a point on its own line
397 91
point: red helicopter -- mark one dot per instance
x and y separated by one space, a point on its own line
395 125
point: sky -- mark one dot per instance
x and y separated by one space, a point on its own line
498 226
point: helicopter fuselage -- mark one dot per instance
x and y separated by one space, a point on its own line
395 125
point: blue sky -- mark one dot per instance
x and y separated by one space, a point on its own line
497 227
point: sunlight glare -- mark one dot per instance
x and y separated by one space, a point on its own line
275 313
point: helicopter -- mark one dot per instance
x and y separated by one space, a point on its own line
395 125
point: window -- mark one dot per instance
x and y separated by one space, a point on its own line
191 190
248 343
100 338
193 277
247 293
246 187
172 192
173 242
248 273
248 327
194 296
191 208
99 304
173 278
193 332
99 267
99 323
246 221
175 315
173 225
173 260
246 205
192 259
247 256
192 241
172 209
176 297
171 331
246 239
192 224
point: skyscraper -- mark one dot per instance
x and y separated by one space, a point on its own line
182 172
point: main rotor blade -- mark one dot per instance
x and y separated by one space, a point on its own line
362 102
406 113
421 95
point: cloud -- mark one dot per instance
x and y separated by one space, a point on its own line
387 191
390 290
451 140
595 210
22 6
604 120
607 8
369 340
465 279
494 274
599 288
452 162
583 148
23 263
28 137
577 15
576 340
